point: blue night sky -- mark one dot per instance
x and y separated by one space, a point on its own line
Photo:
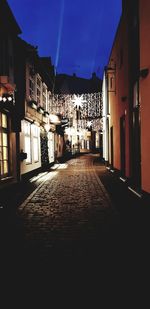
76 34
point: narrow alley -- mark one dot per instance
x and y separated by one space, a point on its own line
70 231
70 215
74 151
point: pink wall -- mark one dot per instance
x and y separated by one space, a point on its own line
145 92
119 108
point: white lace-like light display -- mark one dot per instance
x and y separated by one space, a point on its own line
83 111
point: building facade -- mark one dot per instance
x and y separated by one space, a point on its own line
9 31
144 86
31 137
34 137
125 99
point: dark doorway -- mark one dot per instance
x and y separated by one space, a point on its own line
101 144
136 149
122 145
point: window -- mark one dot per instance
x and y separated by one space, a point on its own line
35 143
31 87
38 89
4 146
136 95
44 97
38 93
38 82
111 83
49 108
31 141
27 133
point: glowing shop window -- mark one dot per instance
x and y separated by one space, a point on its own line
4 143
28 149
4 121
5 153
27 132
27 128
4 139
35 143
36 148
5 167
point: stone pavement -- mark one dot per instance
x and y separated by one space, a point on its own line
68 239
69 214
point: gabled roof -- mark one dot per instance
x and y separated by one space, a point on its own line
8 23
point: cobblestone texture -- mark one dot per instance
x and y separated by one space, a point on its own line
70 212
67 243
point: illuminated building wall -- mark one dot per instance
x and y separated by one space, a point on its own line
145 91
36 123
9 31
117 109
125 93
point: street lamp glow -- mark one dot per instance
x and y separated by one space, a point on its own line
54 119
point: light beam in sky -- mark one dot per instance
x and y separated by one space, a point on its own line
60 32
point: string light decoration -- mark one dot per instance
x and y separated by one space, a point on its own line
90 106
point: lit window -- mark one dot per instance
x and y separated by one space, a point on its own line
27 132
35 143
28 149
4 146
4 120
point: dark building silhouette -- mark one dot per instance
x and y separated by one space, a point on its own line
66 84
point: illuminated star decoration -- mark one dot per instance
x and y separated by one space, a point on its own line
78 101
89 123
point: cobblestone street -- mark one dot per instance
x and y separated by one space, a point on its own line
69 214
68 232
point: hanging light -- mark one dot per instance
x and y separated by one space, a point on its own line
10 99
6 97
